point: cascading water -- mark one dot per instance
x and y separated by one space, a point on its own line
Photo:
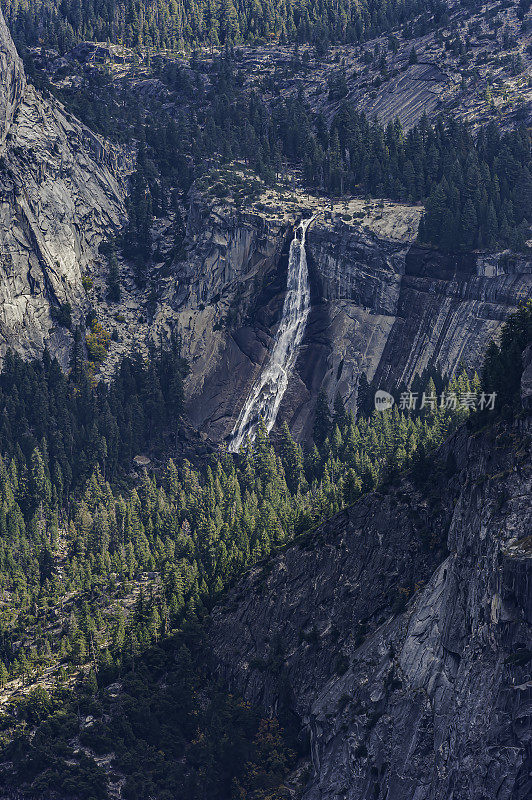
266 395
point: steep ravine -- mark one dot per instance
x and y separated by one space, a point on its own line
399 633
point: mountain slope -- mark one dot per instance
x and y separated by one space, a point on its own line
381 304
399 633
13 81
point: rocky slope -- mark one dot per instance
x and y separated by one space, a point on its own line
60 194
399 634
13 81
473 67
380 305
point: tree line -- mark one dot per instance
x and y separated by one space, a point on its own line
172 25
175 539
477 188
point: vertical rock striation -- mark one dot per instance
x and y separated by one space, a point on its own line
380 305
61 193
12 81
386 307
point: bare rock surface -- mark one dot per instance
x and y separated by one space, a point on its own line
389 308
381 305
12 82
61 193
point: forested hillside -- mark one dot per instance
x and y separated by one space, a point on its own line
92 578
172 25
477 188
121 527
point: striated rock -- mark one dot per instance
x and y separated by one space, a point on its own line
399 633
409 95
61 193
381 305
387 307
225 297
12 83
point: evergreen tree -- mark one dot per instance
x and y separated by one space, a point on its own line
322 420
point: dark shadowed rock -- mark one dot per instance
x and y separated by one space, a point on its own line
399 633
526 380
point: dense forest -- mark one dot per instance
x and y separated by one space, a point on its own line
476 187
97 583
172 25
114 547
477 190
64 532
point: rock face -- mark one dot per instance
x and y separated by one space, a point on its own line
408 96
225 298
13 81
381 305
399 634
60 194
526 381
387 307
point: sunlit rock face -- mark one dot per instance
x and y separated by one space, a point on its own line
12 80
60 194
380 305
384 306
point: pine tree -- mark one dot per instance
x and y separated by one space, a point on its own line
322 420
292 458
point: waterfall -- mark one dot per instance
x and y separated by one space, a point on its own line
265 396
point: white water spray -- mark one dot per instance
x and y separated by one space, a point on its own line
265 396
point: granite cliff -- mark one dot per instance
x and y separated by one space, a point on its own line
223 297
381 305
60 194
387 307
398 635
